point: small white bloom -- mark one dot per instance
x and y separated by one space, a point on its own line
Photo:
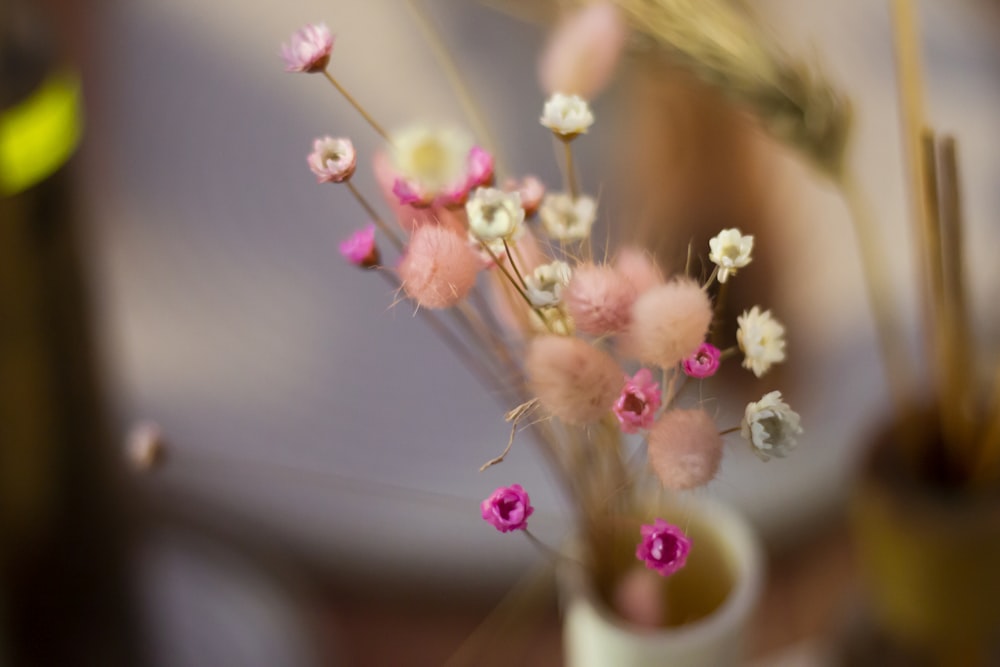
730 250
762 340
771 426
566 219
567 115
557 321
494 214
433 159
546 283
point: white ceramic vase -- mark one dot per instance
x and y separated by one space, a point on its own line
593 636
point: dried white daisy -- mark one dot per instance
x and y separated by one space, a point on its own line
771 426
494 214
762 340
545 284
567 219
567 115
730 250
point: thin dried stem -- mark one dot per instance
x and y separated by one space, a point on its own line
357 106
571 180
376 218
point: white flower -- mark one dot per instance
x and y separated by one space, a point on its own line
762 340
566 219
567 115
730 250
494 214
556 321
545 285
770 426
432 159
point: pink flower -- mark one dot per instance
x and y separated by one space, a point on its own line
480 169
409 194
664 547
704 362
507 509
332 160
310 49
640 399
360 249
584 50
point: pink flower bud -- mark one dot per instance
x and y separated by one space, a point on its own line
507 509
640 399
332 160
439 268
359 248
575 381
669 322
583 51
309 50
703 363
664 547
480 171
638 267
685 449
599 299
532 193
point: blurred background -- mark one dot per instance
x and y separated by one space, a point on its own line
318 497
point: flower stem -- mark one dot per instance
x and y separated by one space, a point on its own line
520 290
370 210
544 548
360 109
513 264
734 429
571 184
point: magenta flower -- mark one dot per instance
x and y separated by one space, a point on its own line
409 194
359 248
332 160
640 399
507 509
704 362
664 547
309 50
480 169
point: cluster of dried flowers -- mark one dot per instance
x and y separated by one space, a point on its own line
548 327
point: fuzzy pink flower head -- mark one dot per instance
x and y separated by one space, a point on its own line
574 380
599 299
439 267
309 50
332 160
507 509
359 248
685 449
480 170
532 193
703 363
664 547
638 267
584 50
640 399
668 324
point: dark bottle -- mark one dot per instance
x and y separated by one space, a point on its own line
65 595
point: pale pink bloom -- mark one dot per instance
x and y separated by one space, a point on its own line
664 547
439 268
480 170
507 508
583 51
532 192
309 50
640 399
360 249
639 268
408 194
574 380
599 299
703 363
669 322
332 160
685 449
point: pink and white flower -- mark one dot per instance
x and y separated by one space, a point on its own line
664 547
640 399
532 192
309 50
332 160
703 363
507 508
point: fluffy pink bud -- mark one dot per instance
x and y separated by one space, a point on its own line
685 449
669 322
575 381
599 299
507 509
664 547
639 268
583 51
439 268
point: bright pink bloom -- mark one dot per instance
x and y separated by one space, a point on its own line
507 509
409 195
640 399
704 362
360 249
480 169
332 160
664 547
309 50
